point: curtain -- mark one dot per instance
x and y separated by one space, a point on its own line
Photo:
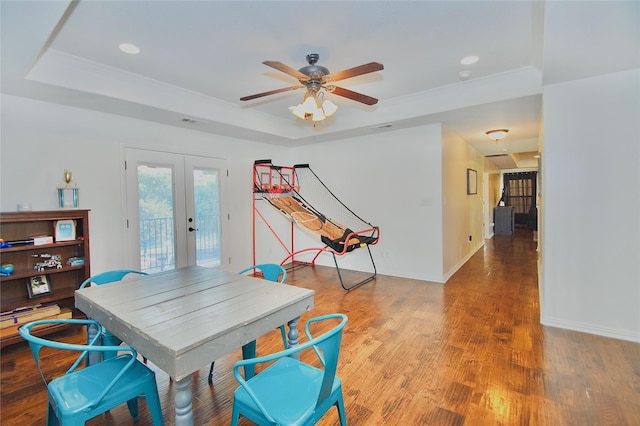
519 192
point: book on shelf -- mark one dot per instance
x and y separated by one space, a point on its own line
11 330
27 314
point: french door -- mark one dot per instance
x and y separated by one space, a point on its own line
174 209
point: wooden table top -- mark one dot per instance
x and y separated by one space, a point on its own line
183 319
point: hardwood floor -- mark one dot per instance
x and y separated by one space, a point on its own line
469 352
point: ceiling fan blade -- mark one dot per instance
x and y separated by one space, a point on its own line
287 70
358 97
353 72
270 92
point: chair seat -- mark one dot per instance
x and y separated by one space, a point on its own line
79 389
294 399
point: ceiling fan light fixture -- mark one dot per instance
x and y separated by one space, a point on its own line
309 105
318 115
329 108
318 81
298 111
497 134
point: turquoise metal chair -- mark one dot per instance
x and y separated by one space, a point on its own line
291 392
270 272
106 338
82 394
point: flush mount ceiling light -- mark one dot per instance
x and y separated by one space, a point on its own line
497 134
129 48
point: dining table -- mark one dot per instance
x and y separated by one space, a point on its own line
183 319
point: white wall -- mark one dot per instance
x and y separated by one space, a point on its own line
590 190
463 213
39 140
392 180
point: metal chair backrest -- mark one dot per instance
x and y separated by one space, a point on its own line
270 271
83 393
110 277
107 338
304 384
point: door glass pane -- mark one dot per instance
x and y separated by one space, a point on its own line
206 189
155 201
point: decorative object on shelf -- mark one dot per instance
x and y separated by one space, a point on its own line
4 244
6 269
53 261
38 286
472 182
28 242
65 230
67 194
40 240
75 261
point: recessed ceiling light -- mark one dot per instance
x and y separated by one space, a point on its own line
469 60
129 48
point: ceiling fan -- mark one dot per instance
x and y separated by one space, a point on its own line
316 78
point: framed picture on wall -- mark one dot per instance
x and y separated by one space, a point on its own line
472 182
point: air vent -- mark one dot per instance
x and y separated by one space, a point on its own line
496 155
192 122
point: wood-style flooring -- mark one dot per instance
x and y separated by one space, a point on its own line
469 352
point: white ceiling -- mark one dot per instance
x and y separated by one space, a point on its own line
199 57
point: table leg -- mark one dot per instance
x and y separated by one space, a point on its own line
293 335
183 403
248 352
93 357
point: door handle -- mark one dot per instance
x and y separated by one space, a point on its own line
191 229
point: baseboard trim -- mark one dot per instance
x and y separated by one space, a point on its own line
613 333
462 262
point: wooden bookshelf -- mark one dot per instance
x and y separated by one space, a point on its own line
14 294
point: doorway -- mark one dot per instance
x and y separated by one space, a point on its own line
520 193
174 206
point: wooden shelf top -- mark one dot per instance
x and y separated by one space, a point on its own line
43 215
